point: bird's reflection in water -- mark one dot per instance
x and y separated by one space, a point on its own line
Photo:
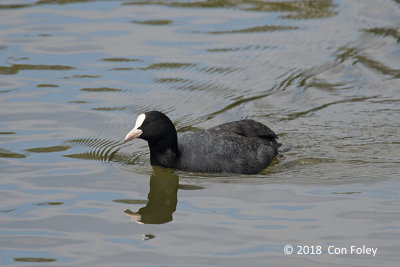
162 199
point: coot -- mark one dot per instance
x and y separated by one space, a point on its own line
244 146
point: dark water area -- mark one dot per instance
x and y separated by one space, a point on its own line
74 75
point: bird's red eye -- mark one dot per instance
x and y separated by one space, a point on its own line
150 122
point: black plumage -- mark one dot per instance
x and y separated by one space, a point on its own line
244 146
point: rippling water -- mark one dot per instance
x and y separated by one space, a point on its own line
324 75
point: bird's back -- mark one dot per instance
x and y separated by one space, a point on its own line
243 146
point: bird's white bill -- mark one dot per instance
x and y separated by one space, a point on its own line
135 132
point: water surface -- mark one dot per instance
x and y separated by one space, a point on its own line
74 75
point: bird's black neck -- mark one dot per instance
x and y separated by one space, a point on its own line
164 152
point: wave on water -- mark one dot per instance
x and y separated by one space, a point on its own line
99 149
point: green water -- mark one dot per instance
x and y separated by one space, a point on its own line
74 75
